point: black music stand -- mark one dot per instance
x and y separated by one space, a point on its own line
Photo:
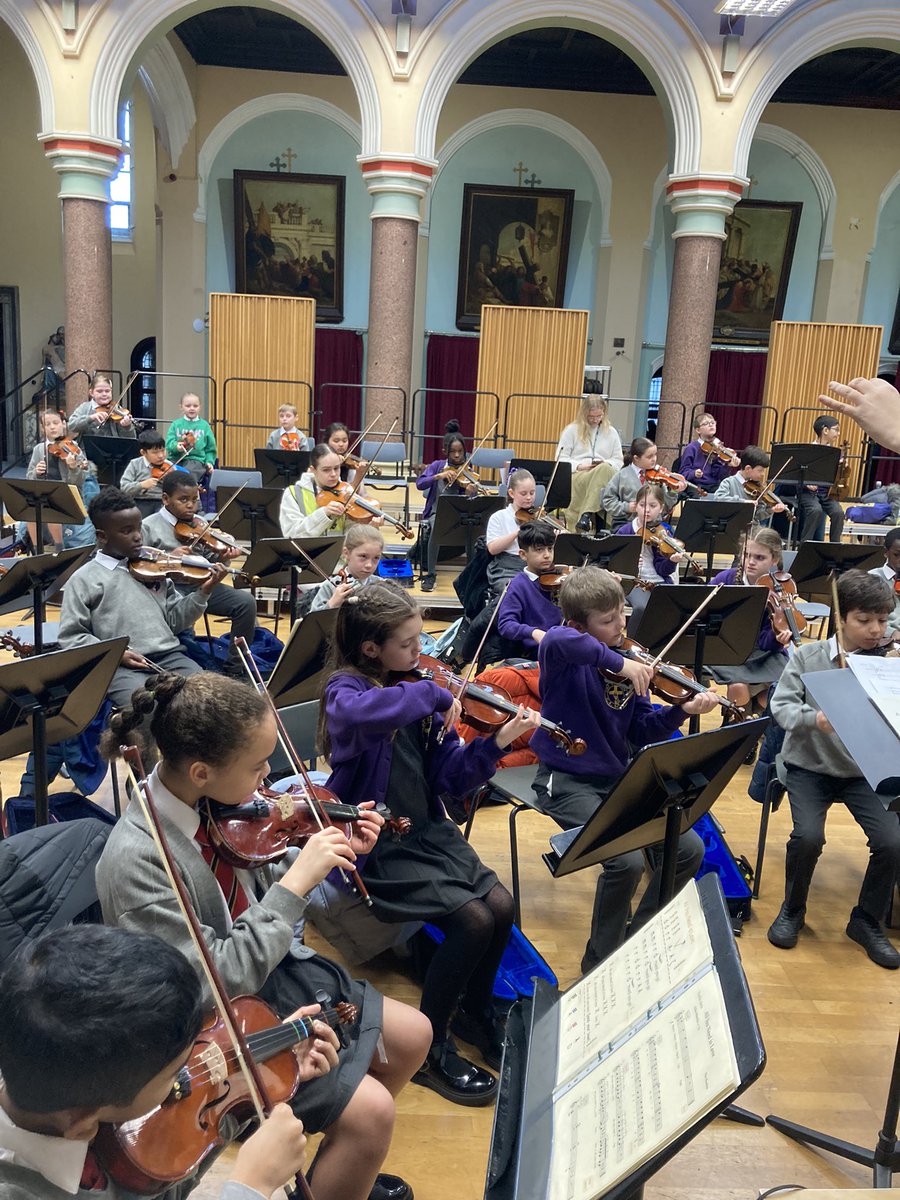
41 575
300 671
110 455
458 521
50 698
280 468
253 515
40 500
803 463
714 527
278 563
560 494
725 632
817 562
618 552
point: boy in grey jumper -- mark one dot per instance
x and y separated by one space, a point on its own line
104 600
820 771
754 464
81 1045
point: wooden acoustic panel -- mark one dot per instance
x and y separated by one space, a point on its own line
258 338
531 354
804 356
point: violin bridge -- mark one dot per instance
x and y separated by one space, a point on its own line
285 806
213 1059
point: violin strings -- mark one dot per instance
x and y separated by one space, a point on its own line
261 1042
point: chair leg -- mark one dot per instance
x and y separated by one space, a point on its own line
514 860
761 844
117 799
473 809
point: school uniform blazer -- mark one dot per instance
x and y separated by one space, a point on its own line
135 894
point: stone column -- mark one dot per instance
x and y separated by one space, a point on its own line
85 165
397 186
701 205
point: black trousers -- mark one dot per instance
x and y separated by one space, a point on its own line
811 795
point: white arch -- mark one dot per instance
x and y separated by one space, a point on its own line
661 42
794 40
11 14
534 119
139 24
889 190
258 107
171 102
815 168
659 191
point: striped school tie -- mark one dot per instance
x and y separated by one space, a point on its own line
235 896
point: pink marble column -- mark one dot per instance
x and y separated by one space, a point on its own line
87 264
392 291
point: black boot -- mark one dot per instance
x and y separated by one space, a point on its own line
785 929
446 1072
868 933
486 1031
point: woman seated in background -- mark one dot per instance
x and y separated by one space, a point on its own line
594 450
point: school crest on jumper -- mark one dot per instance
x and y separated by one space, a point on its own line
617 693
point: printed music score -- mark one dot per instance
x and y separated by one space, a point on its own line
880 680
626 1087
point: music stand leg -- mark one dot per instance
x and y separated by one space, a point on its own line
710 554
37 604
39 527
670 854
32 710
294 601
699 654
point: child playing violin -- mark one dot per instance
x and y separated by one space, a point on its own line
391 738
303 513
753 679
57 456
103 600
337 437
288 435
191 439
215 736
706 468
363 548
890 570
619 498
754 462
180 504
143 476
526 611
502 534
439 479
93 416
612 715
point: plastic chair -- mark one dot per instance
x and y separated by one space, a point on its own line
301 722
774 794
492 458
222 477
392 453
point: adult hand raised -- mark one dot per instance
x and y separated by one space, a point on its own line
873 404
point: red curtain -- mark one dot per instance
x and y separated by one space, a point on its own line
339 358
736 379
451 363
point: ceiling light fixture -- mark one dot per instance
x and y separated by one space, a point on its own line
753 8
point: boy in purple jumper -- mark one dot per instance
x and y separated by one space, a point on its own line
612 717
706 470
526 611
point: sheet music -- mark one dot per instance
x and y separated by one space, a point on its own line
654 1086
598 1009
880 679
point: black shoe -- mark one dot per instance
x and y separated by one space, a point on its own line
455 1078
585 523
428 583
589 961
486 1032
869 934
390 1187
785 929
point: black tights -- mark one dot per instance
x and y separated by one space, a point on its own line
466 962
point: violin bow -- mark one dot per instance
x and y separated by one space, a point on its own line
540 511
460 471
362 436
693 616
769 482
247 1064
838 623
132 376
470 670
294 759
208 525
312 562
361 480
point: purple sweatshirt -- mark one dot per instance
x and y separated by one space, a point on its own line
767 640
662 565
573 694
428 482
693 458
361 720
525 606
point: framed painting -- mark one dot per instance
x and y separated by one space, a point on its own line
514 249
755 269
289 238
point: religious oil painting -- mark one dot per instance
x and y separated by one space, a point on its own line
289 238
514 249
755 269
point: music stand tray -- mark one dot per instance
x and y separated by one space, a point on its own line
560 494
619 552
253 515
280 468
458 520
816 562
50 698
41 575
278 563
300 671
42 500
110 455
522 1142
714 526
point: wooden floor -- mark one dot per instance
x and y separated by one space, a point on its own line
829 1018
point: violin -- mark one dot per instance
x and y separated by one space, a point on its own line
358 509
714 448
670 479
525 516
783 611
187 440
152 565
62 447
160 469
887 647
464 476
202 533
666 543
761 492
842 479
290 440
355 463
10 642
551 581
117 413
485 708
170 1143
671 683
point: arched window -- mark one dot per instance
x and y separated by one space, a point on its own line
121 185
143 390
